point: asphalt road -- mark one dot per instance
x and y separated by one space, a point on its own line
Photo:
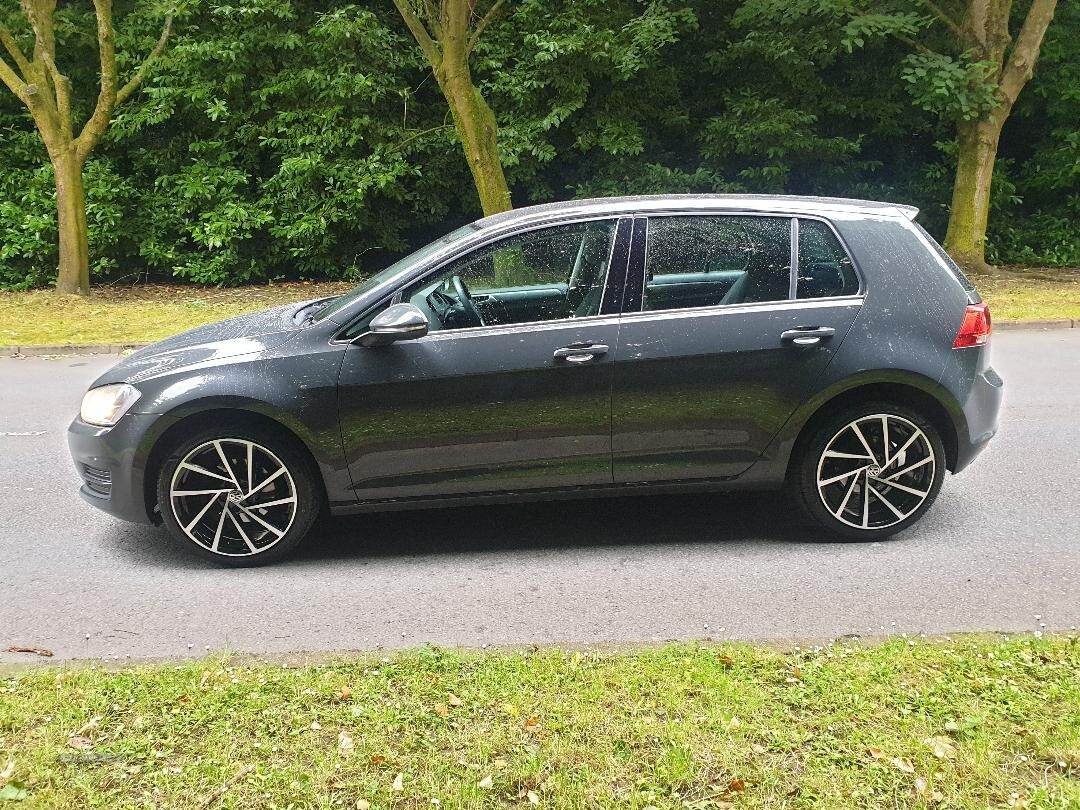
1000 550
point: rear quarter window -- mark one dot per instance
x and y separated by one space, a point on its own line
825 269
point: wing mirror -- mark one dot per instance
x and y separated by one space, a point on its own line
397 322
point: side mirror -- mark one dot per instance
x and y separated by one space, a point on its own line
397 322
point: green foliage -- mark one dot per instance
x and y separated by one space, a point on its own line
288 139
953 87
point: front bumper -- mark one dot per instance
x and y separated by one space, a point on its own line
112 461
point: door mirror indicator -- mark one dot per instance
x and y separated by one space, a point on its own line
397 322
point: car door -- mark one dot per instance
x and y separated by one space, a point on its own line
701 390
511 392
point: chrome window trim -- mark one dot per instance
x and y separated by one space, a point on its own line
741 309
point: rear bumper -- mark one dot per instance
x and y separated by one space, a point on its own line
981 409
111 462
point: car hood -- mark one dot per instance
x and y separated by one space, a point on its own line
242 335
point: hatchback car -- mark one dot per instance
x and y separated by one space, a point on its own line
628 345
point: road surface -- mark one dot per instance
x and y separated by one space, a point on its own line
1000 550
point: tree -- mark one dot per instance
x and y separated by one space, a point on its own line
966 65
447 32
47 94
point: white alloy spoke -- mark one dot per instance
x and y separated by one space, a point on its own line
220 525
836 478
225 462
911 440
900 515
202 512
847 496
908 468
279 502
184 493
902 487
187 465
885 439
277 532
866 504
859 433
838 454
243 534
272 477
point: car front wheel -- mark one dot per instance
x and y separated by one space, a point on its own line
870 471
239 496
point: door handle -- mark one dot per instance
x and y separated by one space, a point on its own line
807 335
581 352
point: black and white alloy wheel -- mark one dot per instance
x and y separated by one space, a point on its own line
236 499
872 471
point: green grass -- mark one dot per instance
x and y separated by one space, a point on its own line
972 722
1031 293
140 314
143 314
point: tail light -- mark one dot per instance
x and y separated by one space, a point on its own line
975 328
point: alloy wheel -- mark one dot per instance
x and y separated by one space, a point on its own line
876 471
233 497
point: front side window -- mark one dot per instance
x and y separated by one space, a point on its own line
548 274
825 269
696 261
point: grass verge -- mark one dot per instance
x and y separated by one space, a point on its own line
147 313
1031 293
140 314
969 722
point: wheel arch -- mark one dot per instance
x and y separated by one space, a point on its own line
186 420
913 390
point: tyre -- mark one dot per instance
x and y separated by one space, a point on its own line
238 495
870 471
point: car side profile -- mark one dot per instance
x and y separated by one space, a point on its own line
611 346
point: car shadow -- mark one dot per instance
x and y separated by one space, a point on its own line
734 518
620 521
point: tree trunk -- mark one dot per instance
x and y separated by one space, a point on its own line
479 133
966 237
74 267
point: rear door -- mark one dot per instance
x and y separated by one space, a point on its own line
701 390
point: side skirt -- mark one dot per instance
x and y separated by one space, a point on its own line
575 493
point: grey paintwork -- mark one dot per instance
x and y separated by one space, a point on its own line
679 399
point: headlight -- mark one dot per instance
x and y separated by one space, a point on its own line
104 406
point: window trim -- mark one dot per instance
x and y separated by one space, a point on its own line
640 271
622 239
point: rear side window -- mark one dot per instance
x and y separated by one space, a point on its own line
701 261
825 270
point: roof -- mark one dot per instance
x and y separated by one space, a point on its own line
766 203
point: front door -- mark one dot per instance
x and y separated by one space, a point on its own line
727 342
511 389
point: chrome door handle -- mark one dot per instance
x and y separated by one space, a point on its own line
807 335
580 352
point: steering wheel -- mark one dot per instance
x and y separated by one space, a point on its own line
472 314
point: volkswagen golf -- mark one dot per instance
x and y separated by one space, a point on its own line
613 346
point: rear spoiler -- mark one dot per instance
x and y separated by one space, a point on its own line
909 211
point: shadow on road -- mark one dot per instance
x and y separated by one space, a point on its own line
623 521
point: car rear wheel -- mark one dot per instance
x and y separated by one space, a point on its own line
238 496
870 471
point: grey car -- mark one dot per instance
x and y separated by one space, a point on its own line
594 347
